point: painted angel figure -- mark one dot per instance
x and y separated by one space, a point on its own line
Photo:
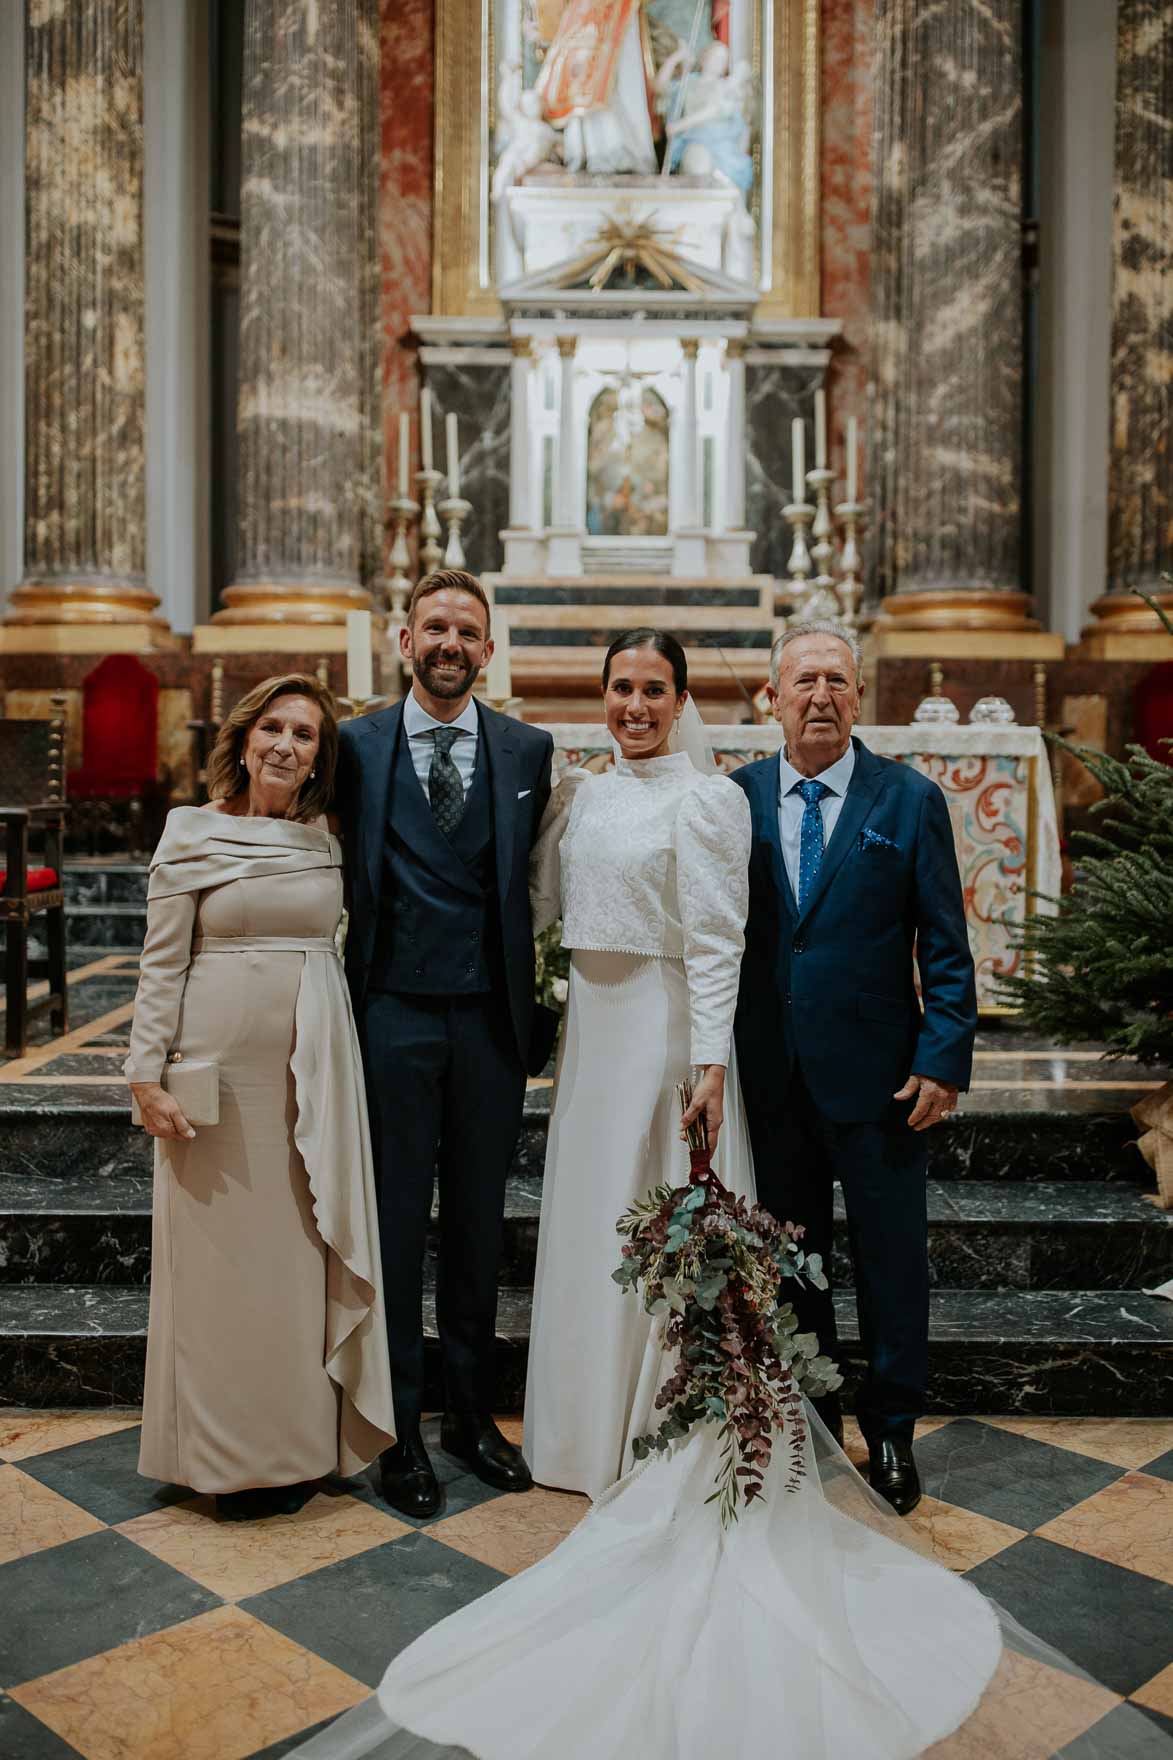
707 106
526 139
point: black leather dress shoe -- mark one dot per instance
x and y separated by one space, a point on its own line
892 1472
409 1484
477 1442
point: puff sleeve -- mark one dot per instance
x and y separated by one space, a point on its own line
162 978
712 877
545 867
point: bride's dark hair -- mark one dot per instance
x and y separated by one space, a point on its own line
662 642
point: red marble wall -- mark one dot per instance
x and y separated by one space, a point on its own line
405 205
846 204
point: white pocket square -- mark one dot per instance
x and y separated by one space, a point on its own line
522 792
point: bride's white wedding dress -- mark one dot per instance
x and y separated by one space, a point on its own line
814 1628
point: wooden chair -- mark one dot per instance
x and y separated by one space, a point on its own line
31 800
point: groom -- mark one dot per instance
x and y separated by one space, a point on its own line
852 870
440 800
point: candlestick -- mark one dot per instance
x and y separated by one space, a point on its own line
852 459
499 673
798 514
428 481
360 677
820 600
797 461
404 446
453 451
820 430
453 511
851 514
426 428
405 512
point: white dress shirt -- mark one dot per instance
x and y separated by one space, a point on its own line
419 726
791 805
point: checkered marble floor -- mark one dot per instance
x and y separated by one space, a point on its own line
137 1627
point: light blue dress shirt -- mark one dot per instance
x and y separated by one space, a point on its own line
791 805
418 726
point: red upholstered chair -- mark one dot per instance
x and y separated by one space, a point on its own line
31 762
1152 711
118 785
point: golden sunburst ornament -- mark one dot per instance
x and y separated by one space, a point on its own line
629 244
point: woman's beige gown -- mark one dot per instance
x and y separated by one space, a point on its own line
267 1351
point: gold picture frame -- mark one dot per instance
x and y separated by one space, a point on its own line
787 62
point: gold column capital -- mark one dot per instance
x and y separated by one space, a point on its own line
734 348
521 347
690 347
567 346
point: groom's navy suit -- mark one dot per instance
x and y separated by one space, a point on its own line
440 961
829 1027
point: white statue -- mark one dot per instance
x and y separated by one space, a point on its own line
525 139
592 86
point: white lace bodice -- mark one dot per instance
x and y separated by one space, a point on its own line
652 857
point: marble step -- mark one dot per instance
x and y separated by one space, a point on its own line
1069 1353
96 1229
1002 1137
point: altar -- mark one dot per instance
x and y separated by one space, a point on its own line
997 784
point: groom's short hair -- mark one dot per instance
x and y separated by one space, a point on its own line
454 580
815 626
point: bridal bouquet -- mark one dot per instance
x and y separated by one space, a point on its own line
710 1266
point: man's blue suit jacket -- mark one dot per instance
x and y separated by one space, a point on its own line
831 987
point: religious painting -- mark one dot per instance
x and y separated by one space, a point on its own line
627 463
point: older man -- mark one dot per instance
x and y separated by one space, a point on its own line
852 873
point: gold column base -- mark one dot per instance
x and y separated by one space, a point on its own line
1126 629
303 602
96 602
954 610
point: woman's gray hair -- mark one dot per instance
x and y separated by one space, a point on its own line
815 626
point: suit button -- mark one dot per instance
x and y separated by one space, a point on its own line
799 947
476 935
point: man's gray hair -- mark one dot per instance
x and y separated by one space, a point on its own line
815 626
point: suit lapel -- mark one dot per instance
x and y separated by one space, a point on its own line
382 738
503 774
866 781
767 782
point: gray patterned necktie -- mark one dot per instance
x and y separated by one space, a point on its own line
445 789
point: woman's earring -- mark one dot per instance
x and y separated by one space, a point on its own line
313 773
241 761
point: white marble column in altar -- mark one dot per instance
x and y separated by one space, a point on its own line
521 486
728 550
688 542
564 552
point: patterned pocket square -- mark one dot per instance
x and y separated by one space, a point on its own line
869 839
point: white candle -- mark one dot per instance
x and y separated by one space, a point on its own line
359 673
426 428
820 430
852 449
798 459
498 676
404 447
453 453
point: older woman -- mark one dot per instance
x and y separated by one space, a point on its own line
266 1352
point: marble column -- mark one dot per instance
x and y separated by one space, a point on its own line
688 544
309 544
85 501
564 551
736 434
1140 480
521 487
945 466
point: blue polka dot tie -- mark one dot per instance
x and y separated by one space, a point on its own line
810 842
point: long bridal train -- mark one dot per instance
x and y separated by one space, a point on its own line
812 1629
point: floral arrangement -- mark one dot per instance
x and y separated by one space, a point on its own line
710 1267
551 968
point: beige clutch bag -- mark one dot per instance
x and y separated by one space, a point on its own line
194 1085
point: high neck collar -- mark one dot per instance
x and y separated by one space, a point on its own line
675 764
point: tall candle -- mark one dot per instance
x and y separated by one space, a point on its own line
453 453
798 459
404 445
820 430
498 675
359 673
426 428
852 449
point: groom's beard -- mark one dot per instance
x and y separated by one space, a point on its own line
445 684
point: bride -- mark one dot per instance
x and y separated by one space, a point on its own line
813 1627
